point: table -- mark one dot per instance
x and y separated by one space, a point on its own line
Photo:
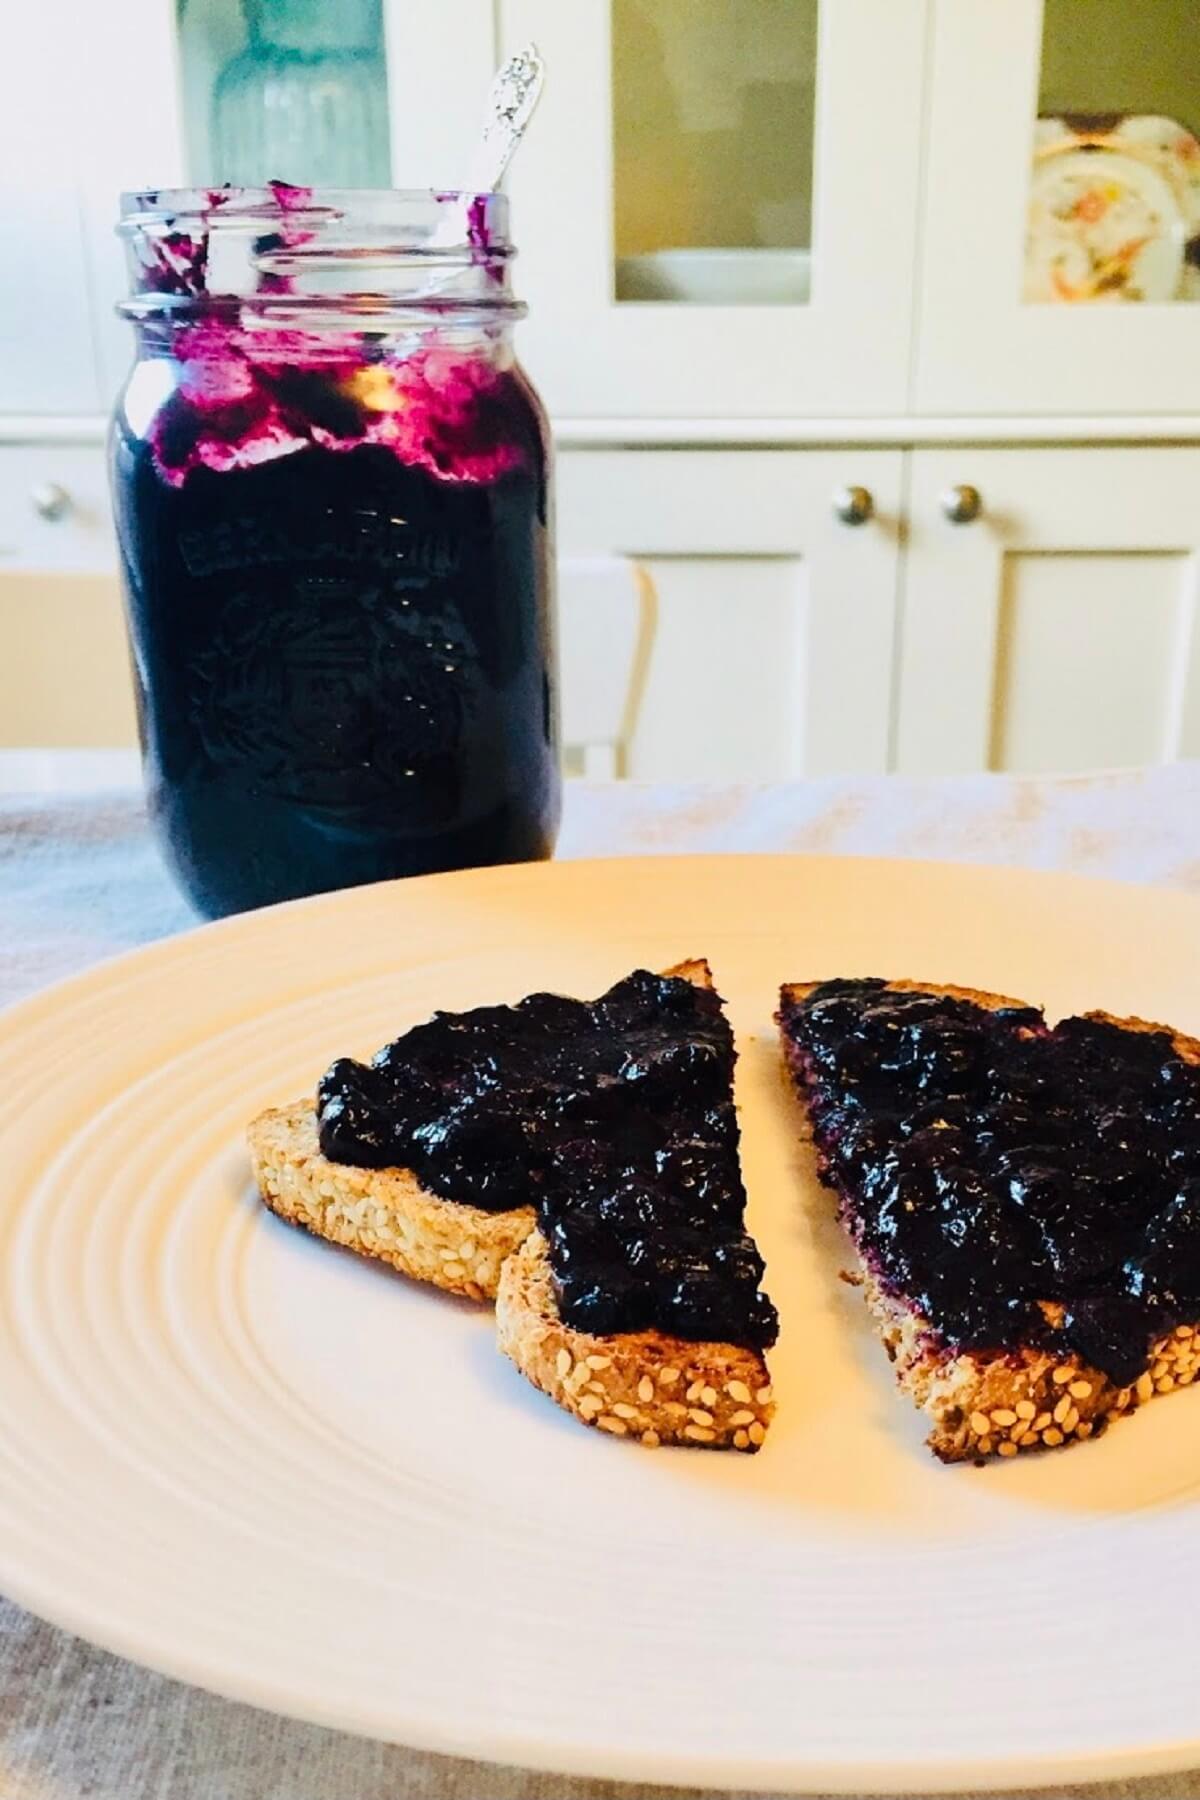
79 879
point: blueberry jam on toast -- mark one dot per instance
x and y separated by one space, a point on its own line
1025 1198
615 1117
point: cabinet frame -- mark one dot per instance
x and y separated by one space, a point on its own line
845 352
980 348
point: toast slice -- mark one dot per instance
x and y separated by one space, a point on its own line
613 1126
388 1212
1027 1293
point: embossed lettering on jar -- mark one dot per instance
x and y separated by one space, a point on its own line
331 486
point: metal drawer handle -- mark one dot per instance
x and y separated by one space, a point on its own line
962 504
854 505
50 501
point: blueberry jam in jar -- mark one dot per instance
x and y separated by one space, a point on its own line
331 487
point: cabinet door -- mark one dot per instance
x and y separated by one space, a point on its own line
1062 222
715 205
765 642
1057 630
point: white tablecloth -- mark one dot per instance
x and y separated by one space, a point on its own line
79 879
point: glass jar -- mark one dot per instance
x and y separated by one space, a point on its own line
331 487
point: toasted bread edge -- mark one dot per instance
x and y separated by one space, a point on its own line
382 1213
639 1384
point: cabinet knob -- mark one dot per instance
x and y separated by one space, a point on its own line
854 505
50 501
962 504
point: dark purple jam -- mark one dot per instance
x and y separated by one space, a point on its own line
989 1164
615 1117
338 586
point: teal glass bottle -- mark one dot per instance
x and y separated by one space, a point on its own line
306 100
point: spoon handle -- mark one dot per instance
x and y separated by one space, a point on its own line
514 93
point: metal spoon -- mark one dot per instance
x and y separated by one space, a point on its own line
515 91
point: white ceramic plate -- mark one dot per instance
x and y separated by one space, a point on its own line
262 1465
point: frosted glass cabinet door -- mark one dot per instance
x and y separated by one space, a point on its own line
716 204
764 643
1059 266
1058 629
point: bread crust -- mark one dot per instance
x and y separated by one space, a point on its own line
383 1213
986 1405
644 1385
980 1406
793 992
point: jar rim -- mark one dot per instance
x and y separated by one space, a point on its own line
284 249
138 205
234 208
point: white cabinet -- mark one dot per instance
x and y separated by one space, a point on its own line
88 105
749 225
1058 629
763 152
766 640
982 348
649 97
727 210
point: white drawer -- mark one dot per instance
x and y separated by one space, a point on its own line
54 510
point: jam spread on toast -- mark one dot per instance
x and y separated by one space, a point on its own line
1016 1184
614 1116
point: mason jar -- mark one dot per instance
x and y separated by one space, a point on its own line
331 483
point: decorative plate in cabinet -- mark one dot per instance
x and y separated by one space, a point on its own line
1114 210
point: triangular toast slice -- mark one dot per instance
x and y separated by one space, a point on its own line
1025 1201
599 1140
